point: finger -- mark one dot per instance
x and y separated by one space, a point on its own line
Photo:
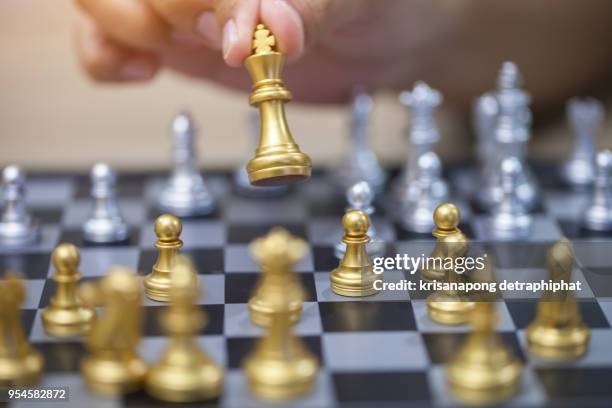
105 60
131 22
238 19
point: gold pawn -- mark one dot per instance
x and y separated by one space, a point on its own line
184 373
446 218
558 331
278 159
157 284
276 253
19 363
66 315
354 275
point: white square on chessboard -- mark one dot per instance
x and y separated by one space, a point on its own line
34 289
564 205
195 234
426 325
536 275
544 228
151 348
530 394
238 324
238 259
251 211
238 395
49 236
95 262
49 192
328 230
212 291
374 351
606 307
77 212
593 254
325 294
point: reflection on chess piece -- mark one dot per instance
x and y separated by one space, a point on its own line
112 366
484 371
449 306
184 372
157 284
280 367
558 331
276 253
66 315
446 217
354 276
278 159
19 363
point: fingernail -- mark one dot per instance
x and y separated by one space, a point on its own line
137 69
230 37
208 27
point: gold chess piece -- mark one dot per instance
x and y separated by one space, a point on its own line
354 276
19 363
157 284
558 331
113 366
280 367
66 315
184 373
278 159
484 371
446 218
276 253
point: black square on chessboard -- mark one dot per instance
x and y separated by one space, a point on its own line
30 265
205 260
49 290
244 234
239 287
518 255
361 388
564 384
153 327
128 186
141 399
478 209
75 237
27 316
328 208
64 356
47 215
441 347
523 312
216 213
366 316
600 280
324 258
239 347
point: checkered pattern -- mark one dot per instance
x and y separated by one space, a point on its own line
378 350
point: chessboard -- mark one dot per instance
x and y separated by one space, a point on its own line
376 351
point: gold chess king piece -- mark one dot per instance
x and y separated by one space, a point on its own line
276 253
113 366
558 331
354 276
280 367
484 371
157 284
184 373
446 218
450 306
19 363
66 315
278 159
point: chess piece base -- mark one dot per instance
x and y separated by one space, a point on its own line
185 383
111 377
449 309
66 323
157 286
186 203
485 397
281 380
17 235
22 371
262 315
101 231
354 283
557 343
279 171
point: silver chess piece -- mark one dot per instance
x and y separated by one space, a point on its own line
423 134
417 216
360 197
185 193
241 176
105 224
510 221
17 227
484 117
361 163
584 116
598 214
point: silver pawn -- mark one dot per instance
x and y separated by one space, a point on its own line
105 224
360 197
423 134
361 163
17 227
584 116
484 117
417 216
185 193
241 175
510 221
598 214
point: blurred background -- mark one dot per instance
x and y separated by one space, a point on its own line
53 118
